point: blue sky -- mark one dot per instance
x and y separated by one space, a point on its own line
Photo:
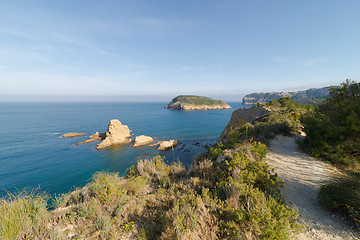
113 49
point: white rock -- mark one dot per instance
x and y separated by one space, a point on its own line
142 140
116 134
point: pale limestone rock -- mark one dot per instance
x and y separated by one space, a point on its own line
165 145
72 134
116 134
142 141
242 116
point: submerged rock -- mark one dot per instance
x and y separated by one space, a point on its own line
142 140
116 134
93 138
143 155
72 134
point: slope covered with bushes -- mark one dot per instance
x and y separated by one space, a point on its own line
229 193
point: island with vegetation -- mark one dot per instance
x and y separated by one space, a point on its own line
191 102
230 192
311 96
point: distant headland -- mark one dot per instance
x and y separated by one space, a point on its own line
310 96
191 102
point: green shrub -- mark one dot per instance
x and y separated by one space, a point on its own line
343 196
136 184
332 129
104 186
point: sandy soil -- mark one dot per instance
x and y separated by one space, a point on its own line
303 176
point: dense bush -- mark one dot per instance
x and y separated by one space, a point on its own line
332 133
333 128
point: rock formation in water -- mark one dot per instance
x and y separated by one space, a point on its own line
242 116
116 134
190 102
72 134
310 96
142 141
165 145
93 138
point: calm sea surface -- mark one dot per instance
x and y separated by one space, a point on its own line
32 153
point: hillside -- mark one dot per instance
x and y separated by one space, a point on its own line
191 102
310 96
228 193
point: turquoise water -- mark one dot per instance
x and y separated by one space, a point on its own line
32 153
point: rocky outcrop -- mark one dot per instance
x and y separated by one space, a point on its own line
72 134
116 134
309 96
242 116
142 141
165 145
93 138
190 102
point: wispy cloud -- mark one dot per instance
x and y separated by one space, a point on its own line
2 67
153 23
206 76
78 42
280 59
313 62
186 68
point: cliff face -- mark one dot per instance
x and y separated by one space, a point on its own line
242 116
303 97
190 102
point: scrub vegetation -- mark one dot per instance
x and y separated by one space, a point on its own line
197 100
332 133
233 199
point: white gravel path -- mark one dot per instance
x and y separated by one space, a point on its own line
303 176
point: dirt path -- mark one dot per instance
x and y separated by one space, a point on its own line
303 176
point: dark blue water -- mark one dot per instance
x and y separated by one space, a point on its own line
32 153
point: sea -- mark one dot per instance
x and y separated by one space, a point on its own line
33 155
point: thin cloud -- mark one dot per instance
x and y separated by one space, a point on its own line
186 68
153 23
207 76
313 62
74 40
2 67
280 59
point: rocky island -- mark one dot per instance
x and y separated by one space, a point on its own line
191 102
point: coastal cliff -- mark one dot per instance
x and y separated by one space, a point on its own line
242 116
190 102
310 96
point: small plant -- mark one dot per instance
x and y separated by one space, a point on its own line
21 214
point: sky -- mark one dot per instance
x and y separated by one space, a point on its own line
83 50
